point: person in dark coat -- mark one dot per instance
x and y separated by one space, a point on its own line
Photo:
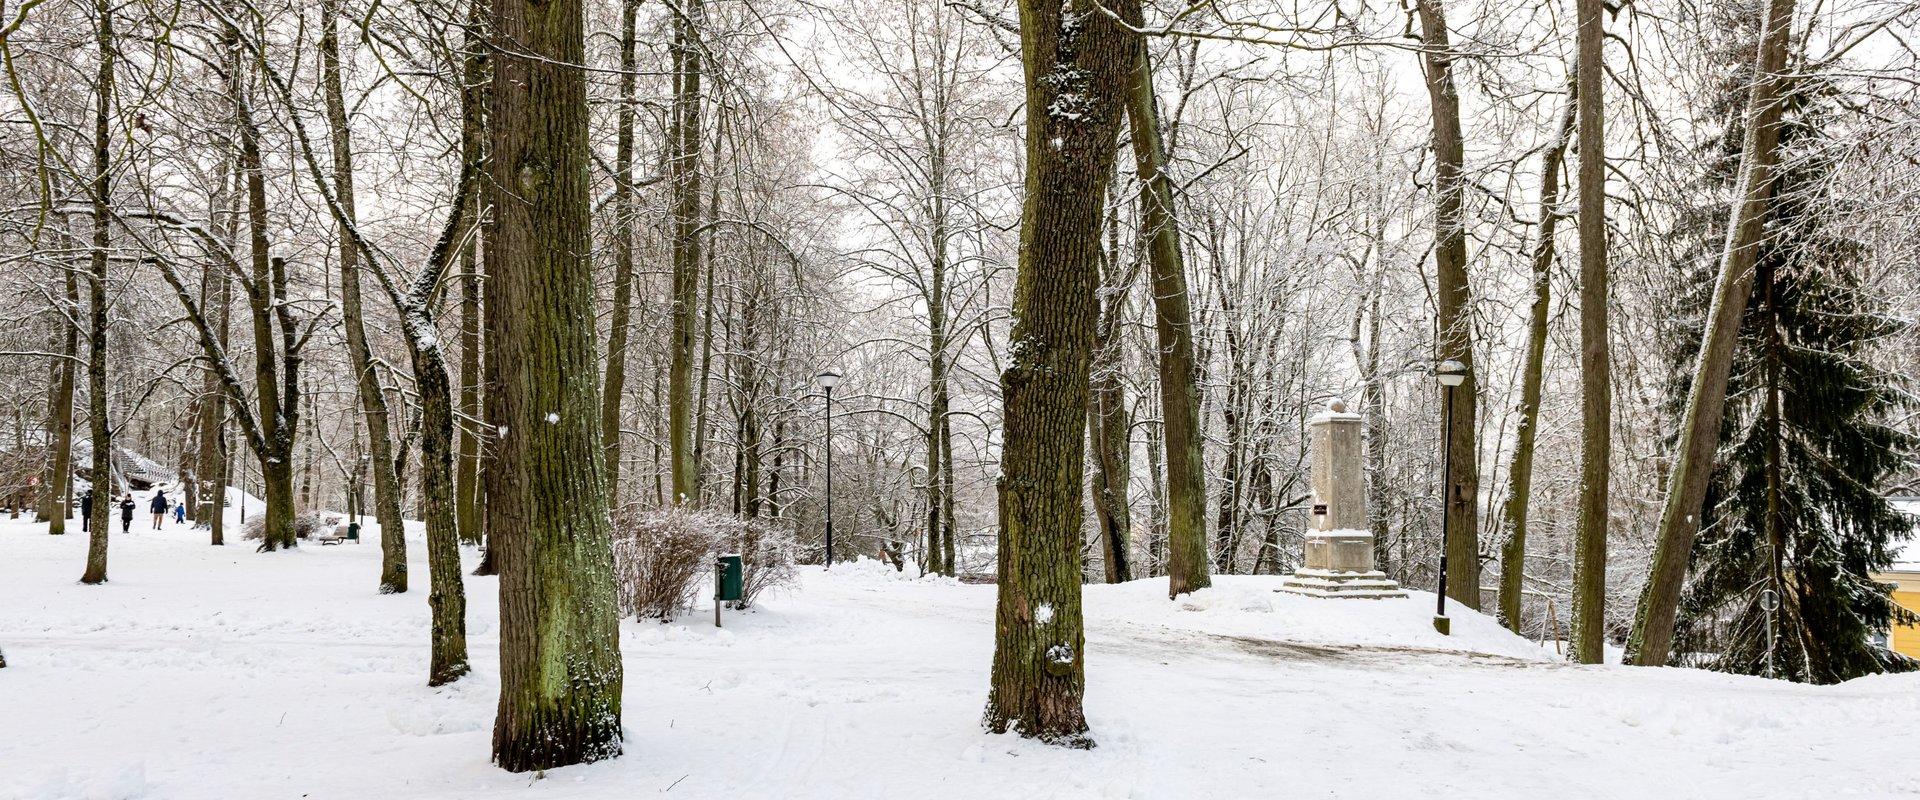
86 510
126 513
158 507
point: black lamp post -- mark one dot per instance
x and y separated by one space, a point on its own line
826 380
1451 374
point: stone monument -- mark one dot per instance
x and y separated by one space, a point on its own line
1339 552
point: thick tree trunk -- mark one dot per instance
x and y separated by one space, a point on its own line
373 402
1455 302
1186 488
1596 383
623 214
684 170
1513 551
560 671
1076 76
100 191
1652 635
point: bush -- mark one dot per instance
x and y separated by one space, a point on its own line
305 524
663 558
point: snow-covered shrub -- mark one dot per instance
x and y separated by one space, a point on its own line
659 557
305 524
664 558
767 549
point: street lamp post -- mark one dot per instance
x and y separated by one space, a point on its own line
1451 374
826 380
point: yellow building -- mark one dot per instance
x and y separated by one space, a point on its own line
1905 575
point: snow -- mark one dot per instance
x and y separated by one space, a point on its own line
203 672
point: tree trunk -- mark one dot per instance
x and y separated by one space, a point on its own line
473 133
373 402
60 475
1652 635
101 192
1076 75
1513 551
1186 488
1107 430
446 595
684 170
938 555
560 671
624 210
1455 302
1596 383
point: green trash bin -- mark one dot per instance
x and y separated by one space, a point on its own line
731 578
353 532
729 582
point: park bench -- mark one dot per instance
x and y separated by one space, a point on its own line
349 532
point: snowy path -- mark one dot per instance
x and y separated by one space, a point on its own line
203 672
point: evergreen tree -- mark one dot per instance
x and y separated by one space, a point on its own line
1793 501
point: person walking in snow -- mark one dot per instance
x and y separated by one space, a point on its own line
158 507
126 513
86 510
179 513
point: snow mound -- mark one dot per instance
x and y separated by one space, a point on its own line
1250 606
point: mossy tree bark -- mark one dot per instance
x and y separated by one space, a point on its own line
1513 550
560 671
1652 637
1182 440
1454 304
1596 381
1076 61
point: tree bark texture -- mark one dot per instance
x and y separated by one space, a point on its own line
1596 382
1182 440
1652 636
1455 304
624 210
684 171
473 132
547 519
1076 61
101 190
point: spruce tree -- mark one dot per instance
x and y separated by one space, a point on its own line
1792 502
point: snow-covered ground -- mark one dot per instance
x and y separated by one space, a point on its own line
202 672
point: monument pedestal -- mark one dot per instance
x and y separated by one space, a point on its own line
1340 564
1339 554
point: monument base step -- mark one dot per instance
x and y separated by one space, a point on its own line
1358 585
